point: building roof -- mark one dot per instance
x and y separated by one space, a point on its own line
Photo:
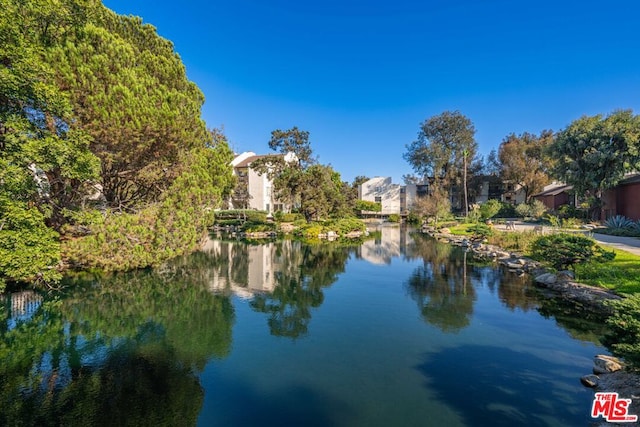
631 179
554 190
247 161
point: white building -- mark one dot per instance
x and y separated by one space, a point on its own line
381 190
393 198
254 190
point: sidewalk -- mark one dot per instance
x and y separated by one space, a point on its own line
628 244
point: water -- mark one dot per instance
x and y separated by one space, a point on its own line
393 332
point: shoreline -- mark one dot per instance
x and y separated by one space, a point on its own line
615 377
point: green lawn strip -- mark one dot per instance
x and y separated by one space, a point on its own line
622 274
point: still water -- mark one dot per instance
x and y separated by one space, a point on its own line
395 331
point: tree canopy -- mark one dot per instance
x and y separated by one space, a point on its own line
524 161
96 111
594 153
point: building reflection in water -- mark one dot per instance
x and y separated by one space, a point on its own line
391 241
246 270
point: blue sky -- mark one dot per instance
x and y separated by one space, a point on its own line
361 75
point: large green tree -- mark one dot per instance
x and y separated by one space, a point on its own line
94 105
524 161
314 189
594 153
444 149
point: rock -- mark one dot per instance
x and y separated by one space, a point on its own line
566 275
606 364
445 231
547 279
514 266
590 381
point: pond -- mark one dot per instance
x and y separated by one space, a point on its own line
396 331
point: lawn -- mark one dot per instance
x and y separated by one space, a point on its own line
622 274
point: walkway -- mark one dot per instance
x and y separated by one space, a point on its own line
628 244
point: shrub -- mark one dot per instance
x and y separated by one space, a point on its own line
394 218
258 227
481 231
537 209
563 250
344 225
523 210
287 217
619 222
624 336
507 210
490 208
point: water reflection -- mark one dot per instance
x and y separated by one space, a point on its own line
129 346
389 242
132 349
440 285
284 279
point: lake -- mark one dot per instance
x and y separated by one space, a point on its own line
396 331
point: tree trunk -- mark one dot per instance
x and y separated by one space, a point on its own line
464 180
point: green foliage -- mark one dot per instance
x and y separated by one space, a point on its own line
443 142
240 215
520 241
366 205
90 100
340 226
393 218
507 210
163 230
564 250
624 336
258 227
524 161
594 153
534 209
490 208
29 250
287 217
523 210
619 222
622 274
480 231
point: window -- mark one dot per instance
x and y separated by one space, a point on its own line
378 199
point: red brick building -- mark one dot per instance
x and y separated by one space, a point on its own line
624 199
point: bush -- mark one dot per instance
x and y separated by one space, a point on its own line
564 250
241 215
523 210
534 209
619 222
624 337
490 208
507 210
287 217
480 231
394 218
258 227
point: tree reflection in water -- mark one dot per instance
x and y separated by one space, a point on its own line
125 351
441 286
300 288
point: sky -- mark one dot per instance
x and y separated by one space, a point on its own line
362 75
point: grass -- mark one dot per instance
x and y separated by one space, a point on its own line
622 274
510 241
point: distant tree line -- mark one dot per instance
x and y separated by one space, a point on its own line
592 154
